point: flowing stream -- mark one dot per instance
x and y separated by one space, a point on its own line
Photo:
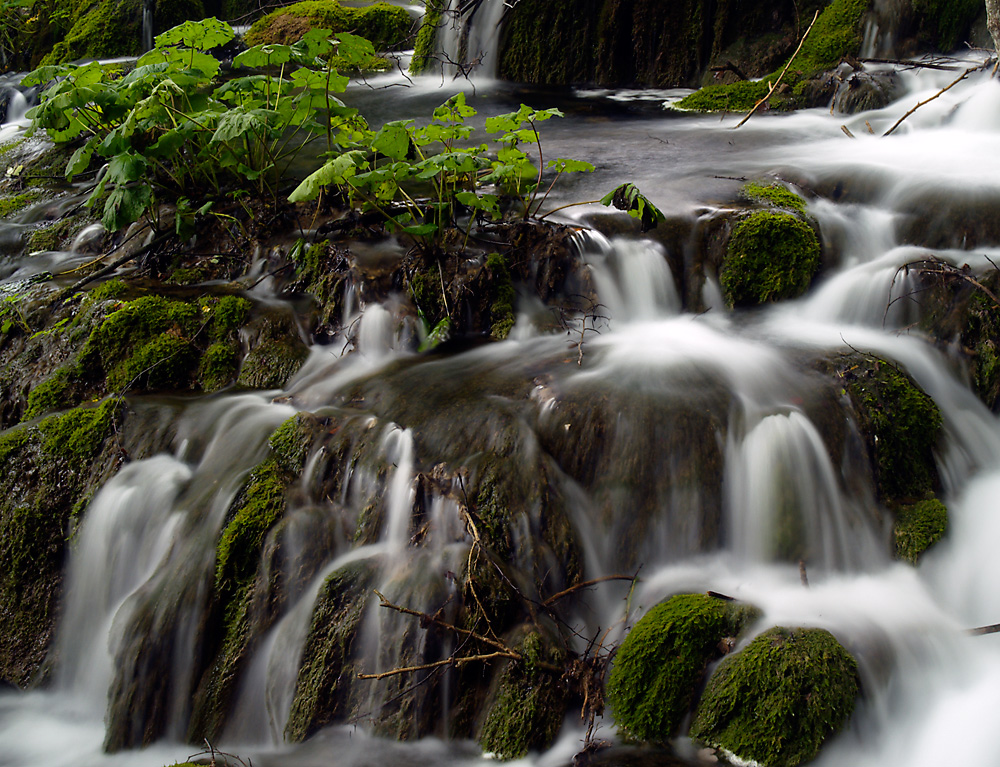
146 546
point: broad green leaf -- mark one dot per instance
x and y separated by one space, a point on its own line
627 197
354 51
237 123
313 44
562 165
201 35
454 110
126 168
335 171
269 55
80 160
44 74
125 205
393 140
440 333
488 203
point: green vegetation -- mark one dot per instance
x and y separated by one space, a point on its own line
73 435
15 203
527 710
661 662
771 256
426 44
902 425
918 527
836 34
502 309
775 195
386 26
291 441
944 24
777 700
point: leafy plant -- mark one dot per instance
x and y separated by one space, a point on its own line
170 129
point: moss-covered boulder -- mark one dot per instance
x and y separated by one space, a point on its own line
662 661
276 352
919 526
527 709
109 28
778 700
771 256
48 472
901 425
387 26
837 33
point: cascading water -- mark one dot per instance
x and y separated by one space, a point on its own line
671 440
469 39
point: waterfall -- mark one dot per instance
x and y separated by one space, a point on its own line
147 25
469 39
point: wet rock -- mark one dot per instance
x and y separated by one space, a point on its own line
386 26
660 665
863 91
276 352
804 681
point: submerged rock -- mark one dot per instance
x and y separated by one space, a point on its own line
660 665
780 698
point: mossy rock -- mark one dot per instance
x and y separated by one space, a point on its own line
919 526
945 24
901 424
771 256
660 665
780 698
109 28
386 26
15 203
426 43
837 33
527 710
774 195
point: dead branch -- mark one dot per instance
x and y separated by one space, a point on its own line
983 630
941 92
772 88
910 63
586 584
450 661
730 67
802 573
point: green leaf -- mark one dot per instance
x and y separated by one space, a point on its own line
201 35
80 160
488 203
562 165
265 55
354 51
314 44
454 110
126 168
238 123
627 197
439 334
125 205
393 140
335 171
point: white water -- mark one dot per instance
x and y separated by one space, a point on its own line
943 690
469 43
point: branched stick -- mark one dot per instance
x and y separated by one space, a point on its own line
586 584
112 266
777 82
941 92
450 661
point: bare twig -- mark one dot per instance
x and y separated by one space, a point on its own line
941 92
586 584
450 661
772 88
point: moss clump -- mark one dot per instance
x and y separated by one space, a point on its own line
777 700
918 527
270 364
662 660
775 195
52 236
166 361
771 256
728 97
219 366
323 683
502 316
15 203
53 393
108 291
291 441
386 26
836 34
73 435
529 705
228 314
902 426
260 506
426 44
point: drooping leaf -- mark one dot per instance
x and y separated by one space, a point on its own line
393 139
335 171
563 165
627 197
125 205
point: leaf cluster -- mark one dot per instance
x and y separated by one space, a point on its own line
172 127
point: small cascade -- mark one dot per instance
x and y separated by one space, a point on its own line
469 38
147 25
632 277
785 504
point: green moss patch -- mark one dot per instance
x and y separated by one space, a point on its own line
770 256
426 44
15 203
775 195
387 26
528 708
902 426
776 701
918 527
502 316
836 34
660 664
